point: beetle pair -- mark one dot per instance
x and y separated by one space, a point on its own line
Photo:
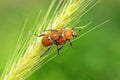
57 37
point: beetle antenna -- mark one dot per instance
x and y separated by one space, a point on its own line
39 35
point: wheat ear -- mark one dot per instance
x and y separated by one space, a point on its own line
29 48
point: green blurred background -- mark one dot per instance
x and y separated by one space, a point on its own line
95 56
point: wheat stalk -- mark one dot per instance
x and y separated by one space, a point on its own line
27 54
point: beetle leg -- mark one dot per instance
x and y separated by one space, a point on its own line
46 51
39 35
57 49
52 30
70 42
55 42
60 49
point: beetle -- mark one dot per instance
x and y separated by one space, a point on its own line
58 37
